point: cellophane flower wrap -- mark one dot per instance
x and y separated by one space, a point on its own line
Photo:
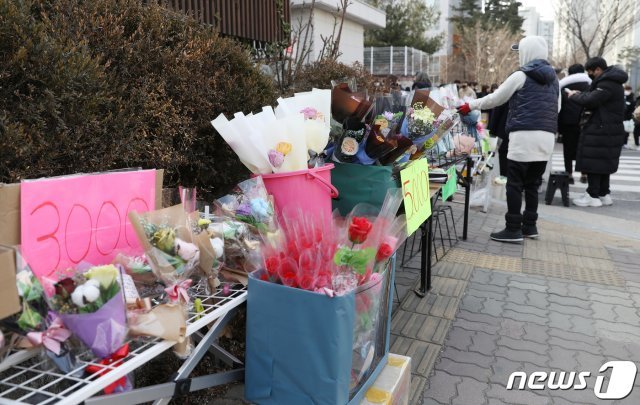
301 255
35 325
243 218
174 251
420 123
315 106
91 304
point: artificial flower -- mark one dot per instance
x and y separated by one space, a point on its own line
381 122
86 293
104 275
284 148
272 264
384 252
218 246
204 223
261 208
359 229
311 113
164 239
65 287
276 158
187 251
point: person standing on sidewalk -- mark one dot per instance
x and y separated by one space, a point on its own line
603 131
533 93
569 117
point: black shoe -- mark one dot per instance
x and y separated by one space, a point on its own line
508 235
571 180
530 231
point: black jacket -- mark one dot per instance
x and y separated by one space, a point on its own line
603 133
570 111
498 121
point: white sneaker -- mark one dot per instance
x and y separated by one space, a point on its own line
587 201
606 200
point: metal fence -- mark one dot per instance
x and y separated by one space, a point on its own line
401 61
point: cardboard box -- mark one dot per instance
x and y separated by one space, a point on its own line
10 214
10 209
393 385
9 299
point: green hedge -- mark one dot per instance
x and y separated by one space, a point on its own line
103 84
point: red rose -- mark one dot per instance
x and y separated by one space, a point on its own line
306 282
288 271
65 287
264 277
384 252
271 264
292 249
359 229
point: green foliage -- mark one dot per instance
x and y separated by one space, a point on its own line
98 85
320 74
408 21
356 259
497 13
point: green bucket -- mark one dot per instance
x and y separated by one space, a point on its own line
361 184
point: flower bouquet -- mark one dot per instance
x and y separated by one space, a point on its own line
35 325
301 256
346 103
316 109
91 304
264 143
420 125
349 143
173 250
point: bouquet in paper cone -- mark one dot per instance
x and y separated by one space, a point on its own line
91 304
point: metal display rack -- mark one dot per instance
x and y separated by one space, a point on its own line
30 378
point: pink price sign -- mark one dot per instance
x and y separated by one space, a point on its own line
68 220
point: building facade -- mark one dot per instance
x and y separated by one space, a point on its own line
359 17
533 24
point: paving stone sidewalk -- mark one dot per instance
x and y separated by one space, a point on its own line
569 301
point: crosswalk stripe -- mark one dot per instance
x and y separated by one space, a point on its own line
614 187
622 171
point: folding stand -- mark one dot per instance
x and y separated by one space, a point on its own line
28 378
180 384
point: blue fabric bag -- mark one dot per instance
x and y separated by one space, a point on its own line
300 344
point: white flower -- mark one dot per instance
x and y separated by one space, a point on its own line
91 292
218 246
77 296
185 250
93 283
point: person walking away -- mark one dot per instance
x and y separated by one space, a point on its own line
569 117
630 106
603 133
533 93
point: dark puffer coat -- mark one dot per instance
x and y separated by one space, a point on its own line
603 133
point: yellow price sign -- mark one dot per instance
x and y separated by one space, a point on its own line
415 189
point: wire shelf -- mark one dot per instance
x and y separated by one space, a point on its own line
28 377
